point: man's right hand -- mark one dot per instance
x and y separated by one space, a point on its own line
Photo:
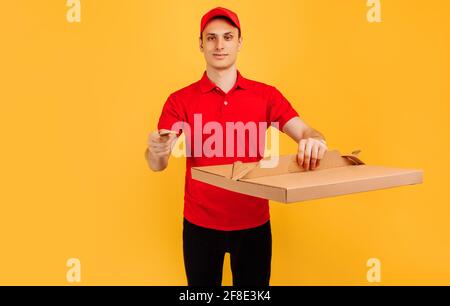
159 148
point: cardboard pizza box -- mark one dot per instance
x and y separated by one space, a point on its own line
287 182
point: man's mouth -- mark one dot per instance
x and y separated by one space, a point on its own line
219 55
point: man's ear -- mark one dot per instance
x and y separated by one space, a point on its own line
200 44
240 43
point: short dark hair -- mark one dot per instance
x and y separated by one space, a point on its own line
227 19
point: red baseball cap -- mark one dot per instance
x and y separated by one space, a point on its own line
219 12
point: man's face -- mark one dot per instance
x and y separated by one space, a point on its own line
220 44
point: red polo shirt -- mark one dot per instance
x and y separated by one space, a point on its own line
248 101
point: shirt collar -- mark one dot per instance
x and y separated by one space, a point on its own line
207 85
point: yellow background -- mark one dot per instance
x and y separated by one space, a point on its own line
79 99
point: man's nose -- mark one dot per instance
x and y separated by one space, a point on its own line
219 43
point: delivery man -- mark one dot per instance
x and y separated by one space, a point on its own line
216 220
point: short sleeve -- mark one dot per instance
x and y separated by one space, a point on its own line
279 109
172 116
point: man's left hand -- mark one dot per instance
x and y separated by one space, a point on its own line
310 152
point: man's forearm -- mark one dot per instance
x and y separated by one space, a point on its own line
297 129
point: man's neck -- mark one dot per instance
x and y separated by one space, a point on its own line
224 79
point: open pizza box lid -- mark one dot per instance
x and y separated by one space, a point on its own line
287 182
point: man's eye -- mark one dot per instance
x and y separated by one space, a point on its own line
228 37
211 38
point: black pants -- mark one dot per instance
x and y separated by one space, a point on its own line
250 255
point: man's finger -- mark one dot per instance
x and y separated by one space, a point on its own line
161 146
314 155
308 150
301 151
162 151
163 139
322 150
168 136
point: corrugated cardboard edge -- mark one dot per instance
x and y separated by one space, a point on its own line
248 188
280 194
409 177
